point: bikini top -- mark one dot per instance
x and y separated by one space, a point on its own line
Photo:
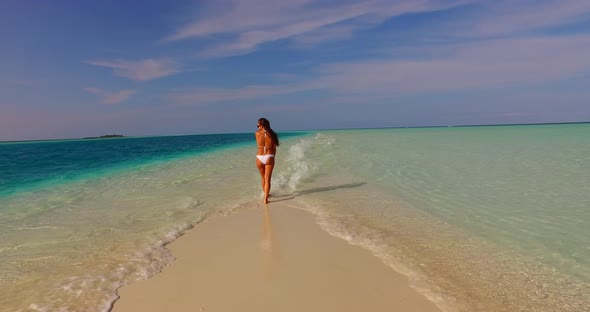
265 147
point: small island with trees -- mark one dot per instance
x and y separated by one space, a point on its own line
108 136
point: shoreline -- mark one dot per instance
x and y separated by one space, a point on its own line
268 258
457 237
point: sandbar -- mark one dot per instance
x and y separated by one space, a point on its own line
271 257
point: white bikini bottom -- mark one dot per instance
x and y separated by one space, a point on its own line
264 158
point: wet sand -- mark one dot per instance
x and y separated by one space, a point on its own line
270 258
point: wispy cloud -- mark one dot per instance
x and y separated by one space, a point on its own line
248 25
142 70
491 63
508 17
324 34
210 95
110 97
467 66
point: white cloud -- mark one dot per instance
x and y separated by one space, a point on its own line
249 24
497 59
483 64
209 95
110 97
244 26
509 17
140 70
503 62
325 34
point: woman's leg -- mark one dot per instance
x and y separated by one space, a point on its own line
261 169
267 177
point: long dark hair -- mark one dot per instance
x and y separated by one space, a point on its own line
266 125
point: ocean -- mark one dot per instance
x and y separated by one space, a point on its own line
488 218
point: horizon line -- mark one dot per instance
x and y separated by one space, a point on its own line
303 130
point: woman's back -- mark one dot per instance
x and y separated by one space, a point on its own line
265 143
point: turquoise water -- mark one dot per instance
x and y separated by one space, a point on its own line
492 218
80 218
28 164
478 218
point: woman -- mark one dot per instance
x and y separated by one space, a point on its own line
267 141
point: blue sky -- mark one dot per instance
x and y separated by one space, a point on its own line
83 68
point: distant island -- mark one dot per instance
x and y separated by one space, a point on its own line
108 136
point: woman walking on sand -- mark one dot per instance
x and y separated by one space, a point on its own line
267 141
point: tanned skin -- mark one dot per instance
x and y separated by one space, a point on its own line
265 169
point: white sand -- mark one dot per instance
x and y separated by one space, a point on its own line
270 258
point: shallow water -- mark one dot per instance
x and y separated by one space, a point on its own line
479 218
74 233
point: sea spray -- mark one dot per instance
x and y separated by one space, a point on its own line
299 164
